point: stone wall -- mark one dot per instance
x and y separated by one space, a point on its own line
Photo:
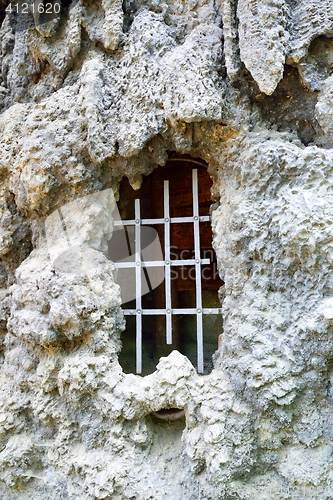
107 89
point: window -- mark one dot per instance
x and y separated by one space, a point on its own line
173 302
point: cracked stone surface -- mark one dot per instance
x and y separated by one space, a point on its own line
108 89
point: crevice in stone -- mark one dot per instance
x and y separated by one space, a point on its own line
3 5
128 11
67 3
317 66
291 108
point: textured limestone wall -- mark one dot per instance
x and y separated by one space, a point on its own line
107 89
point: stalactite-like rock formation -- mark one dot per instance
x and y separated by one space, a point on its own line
99 90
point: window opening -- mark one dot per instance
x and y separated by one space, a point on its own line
183 311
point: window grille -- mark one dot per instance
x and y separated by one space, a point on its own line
138 264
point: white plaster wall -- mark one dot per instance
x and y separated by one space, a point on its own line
107 91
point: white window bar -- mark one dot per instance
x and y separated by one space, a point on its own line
138 288
168 318
188 310
196 230
138 264
173 220
161 263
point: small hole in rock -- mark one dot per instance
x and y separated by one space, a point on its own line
168 414
3 6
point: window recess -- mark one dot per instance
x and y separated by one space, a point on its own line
183 311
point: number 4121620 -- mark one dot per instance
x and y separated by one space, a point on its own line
40 7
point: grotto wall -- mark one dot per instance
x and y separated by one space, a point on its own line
107 89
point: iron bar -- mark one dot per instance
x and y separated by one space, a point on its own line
138 288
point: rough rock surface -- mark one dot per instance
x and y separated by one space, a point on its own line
105 90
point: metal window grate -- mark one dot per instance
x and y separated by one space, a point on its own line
197 262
